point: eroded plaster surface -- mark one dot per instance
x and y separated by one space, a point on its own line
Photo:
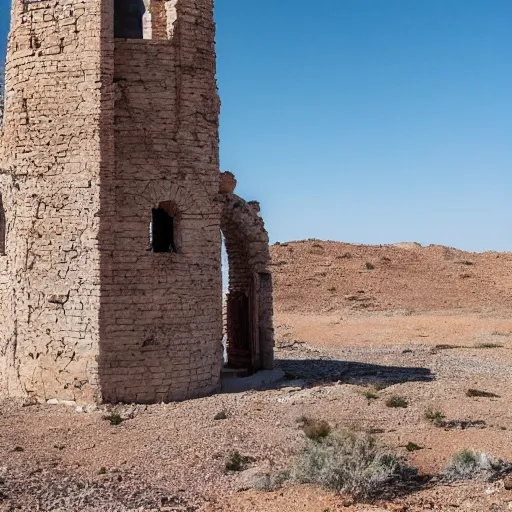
98 132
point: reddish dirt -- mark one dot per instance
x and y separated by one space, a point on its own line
412 326
319 277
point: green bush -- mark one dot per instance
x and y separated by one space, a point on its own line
114 418
236 461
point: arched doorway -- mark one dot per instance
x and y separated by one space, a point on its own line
248 307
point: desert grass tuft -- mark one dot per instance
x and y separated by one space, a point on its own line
435 416
397 402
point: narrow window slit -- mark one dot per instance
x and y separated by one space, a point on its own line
162 231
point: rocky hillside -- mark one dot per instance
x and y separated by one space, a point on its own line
320 276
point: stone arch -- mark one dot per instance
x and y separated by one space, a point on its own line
128 19
249 326
3 227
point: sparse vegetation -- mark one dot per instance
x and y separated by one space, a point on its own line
272 481
465 262
478 393
371 393
370 266
221 415
348 461
315 429
236 461
412 447
114 418
435 416
397 402
377 385
470 465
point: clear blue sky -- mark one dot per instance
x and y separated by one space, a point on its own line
369 121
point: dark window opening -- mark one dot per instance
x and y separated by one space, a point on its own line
2 228
128 23
162 231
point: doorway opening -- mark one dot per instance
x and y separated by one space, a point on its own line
247 288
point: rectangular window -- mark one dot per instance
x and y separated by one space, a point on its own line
162 231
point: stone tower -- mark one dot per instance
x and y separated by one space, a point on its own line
112 206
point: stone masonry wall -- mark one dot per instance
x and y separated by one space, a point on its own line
249 273
98 132
161 317
49 184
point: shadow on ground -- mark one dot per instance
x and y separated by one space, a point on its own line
332 370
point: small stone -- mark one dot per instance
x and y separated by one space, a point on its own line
52 401
67 403
507 482
91 408
79 408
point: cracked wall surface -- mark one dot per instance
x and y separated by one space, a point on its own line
161 319
49 185
98 132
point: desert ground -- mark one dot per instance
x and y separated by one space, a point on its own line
426 324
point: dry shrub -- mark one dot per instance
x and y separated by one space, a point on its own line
435 416
397 402
315 429
272 481
469 465
348 461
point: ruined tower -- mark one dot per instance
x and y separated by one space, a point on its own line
112 206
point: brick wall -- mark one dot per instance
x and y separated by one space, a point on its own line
49 185
161 319
97 133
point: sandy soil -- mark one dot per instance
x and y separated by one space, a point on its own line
172 457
